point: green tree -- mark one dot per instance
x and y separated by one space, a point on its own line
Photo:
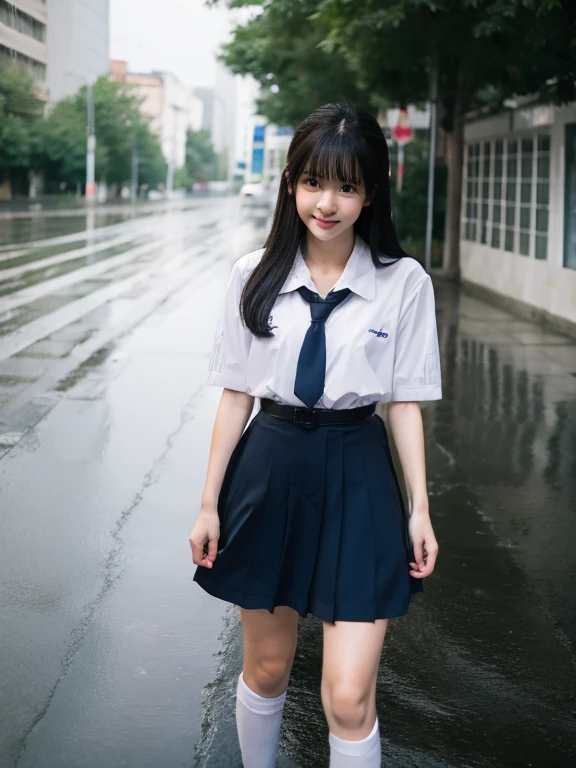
384 51
201 160
118 125
281 49
20 114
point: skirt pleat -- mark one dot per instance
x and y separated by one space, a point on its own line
313 519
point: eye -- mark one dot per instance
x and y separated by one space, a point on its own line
311 181
350 188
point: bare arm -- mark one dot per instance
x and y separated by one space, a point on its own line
231 417
405 420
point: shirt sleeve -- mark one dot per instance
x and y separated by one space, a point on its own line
228 366
417 355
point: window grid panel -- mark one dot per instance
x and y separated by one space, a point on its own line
541 210
507 194
525 196
465 199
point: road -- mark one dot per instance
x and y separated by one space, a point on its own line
112 656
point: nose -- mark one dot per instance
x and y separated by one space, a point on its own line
327 202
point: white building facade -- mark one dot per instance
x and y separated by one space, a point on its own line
78 43
23 38
63 44
518 231
171 107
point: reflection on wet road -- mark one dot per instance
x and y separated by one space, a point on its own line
112 656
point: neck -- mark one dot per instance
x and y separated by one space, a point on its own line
326 255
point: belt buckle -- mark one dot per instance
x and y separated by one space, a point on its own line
309 422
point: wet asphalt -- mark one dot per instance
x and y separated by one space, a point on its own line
112 656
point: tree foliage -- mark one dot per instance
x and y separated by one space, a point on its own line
201 159
379 51
20 113
281 49
118 124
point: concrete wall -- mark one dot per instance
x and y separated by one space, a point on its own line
78 44
26 45
544 284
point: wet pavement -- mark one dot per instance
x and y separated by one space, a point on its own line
112 656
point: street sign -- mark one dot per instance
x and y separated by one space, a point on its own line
402 132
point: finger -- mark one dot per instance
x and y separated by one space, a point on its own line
419 552
212 549
197 551
420 571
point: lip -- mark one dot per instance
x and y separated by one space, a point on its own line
325 223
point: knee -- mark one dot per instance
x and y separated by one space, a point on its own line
347 705
268 676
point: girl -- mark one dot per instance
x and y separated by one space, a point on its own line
301 511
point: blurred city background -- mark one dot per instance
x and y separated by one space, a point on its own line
141 145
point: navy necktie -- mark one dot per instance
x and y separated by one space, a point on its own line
311 368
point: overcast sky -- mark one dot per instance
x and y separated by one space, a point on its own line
179 36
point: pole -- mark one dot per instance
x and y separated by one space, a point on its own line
400 173
90 147
431 161
134 164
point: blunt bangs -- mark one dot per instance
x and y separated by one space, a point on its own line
335 155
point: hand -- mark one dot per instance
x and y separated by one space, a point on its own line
424 543
204 538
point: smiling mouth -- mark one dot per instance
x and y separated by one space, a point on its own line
325 221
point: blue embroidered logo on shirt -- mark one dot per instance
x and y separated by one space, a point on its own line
379 334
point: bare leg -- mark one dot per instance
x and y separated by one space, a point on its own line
352 653
269 647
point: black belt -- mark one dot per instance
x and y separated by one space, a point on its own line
312 417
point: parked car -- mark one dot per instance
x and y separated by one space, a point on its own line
254 193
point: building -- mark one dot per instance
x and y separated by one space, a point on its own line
23 38
206 96
170 106
255 149
518 233
78 43
62 43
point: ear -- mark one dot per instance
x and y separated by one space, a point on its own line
287 176
370 197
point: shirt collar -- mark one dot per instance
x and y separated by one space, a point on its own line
359 273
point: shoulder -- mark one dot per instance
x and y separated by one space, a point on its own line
405 276
247 263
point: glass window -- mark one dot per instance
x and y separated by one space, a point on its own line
525 243
527 167
473 166
527 146
542 191
570 197
541 246
542 219
543 166
544 142
525 192
508 194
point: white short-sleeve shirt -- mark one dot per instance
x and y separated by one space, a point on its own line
381 341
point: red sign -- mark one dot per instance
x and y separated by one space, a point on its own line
402 132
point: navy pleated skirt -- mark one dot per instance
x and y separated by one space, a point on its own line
313 519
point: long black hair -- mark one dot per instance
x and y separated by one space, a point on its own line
337 141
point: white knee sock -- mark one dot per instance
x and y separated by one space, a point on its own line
258 722
365 753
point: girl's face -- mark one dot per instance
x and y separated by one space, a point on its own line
328 207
